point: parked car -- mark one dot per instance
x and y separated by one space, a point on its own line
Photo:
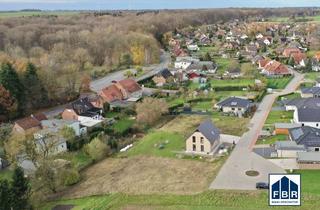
262 185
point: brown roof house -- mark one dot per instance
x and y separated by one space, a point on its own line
300 59
288 51
127 90
29 124
275 68
204 140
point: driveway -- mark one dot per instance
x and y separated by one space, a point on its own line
232 174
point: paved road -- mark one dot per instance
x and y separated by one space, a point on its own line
232 174
99 84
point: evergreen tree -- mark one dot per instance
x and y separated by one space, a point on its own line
5 195
20 190
291 61
36 94
9 79
308 67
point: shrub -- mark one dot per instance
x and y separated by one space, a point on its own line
69 177
97 149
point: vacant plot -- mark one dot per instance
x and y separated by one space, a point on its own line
184 124
278 83
310 181
231 125
145 175
279 117
312 75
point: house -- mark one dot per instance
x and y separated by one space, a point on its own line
288 51
263 62
309 92
197 78
267 40
300 59
163 77
283 128
235 105
275 68
206 67
233 72
182 64
306 111
124 90
288 149
193 47
252 49
307 136
84 112
204 140
259 36
29 124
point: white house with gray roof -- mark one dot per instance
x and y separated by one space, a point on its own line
307 136
204 139
310 92
288 149
235 105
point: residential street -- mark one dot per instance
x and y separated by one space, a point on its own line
98 84
232 174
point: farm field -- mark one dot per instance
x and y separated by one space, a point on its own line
35 13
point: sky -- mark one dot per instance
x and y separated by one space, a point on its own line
148 4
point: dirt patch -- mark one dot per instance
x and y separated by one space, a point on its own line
145 175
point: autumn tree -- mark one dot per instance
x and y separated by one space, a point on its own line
85 83
7 104
9 79
97 149
150 110
81 57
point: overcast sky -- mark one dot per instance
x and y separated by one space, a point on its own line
148 4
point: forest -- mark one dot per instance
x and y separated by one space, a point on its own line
46 59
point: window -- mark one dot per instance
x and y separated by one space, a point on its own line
193 139
202 148
302 124
316 149
201 140
317 125
194 148
233 109
239 109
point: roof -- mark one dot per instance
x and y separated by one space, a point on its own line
298 57
199 65
306 114
130 85
56 124
311 90
308 157
235 102
264 61
288 145
288 51
83 107
286 125
111 93
307 136
305 102
207 129
31 121
165 73
275 67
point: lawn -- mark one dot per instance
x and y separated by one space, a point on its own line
278 83
158 143
79 159
272 139
122 125
6 174
309 181
213 200
223 64
202 106
279 117
231 83
312 75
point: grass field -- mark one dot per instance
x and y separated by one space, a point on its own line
278 83
231 83
79 159
312 75
279 117
310 181
223 64
35 13
209 200
272 139
122 125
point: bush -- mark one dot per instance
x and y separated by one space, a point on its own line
69 177
97 149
